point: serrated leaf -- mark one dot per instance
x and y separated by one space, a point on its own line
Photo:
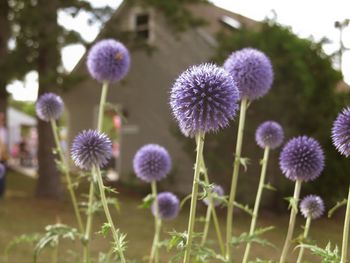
336 207
293 203
244 161
327 254
105 228
268 186
244 208
254 238
147 201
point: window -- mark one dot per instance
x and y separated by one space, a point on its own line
142 26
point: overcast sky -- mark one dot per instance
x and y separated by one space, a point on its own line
307 18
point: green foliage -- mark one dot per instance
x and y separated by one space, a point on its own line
178 16
302 99
254 238
52 236
327 254
22 239
336 207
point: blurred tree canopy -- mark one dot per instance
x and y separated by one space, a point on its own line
37 39
303 99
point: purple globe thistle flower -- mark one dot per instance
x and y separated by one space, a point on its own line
252 70
204 99
108 60
269 134
217 191
168 204
341 132
152 162
312 206
302 159
49 107
2 170
90 149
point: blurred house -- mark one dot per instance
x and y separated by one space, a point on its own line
143 96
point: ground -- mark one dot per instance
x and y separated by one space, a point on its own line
21 213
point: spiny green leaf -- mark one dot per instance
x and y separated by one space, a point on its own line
335 208
327 254
244 208
147 201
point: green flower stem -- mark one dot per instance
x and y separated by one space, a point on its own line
257 201
200 145
157 224
306 233
293 214
115 233
206 224
67 175
236 166
90 214
89 223
344 249
54 255
212 209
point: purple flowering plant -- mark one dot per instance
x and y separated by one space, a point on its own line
203 99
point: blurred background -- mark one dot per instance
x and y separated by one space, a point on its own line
42 49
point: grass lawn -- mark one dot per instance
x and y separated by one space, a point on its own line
21 213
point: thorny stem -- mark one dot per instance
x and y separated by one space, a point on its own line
67 175
344 248
212 209
90 215
157 223
235 174
192 217
306 233
293 214
257 202
206 224
115 233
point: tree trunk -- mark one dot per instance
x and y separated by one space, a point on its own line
4 37
49 184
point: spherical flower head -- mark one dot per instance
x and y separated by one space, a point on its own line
252 70
341 132
312 206
90 149
2 171
152 162
302 159
204 99
217 191
269 134
108 60
49 107
168 204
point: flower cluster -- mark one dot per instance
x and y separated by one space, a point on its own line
90 149
302 159
312 206
108 60
204 99
168 205
152 162
49 107
341 132
269 134
252 70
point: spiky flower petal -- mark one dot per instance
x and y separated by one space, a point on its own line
169 205
90 149
49 107
269 134
302 159
204 99
217 191
152 162
252 70
312 206
108 60
341 132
